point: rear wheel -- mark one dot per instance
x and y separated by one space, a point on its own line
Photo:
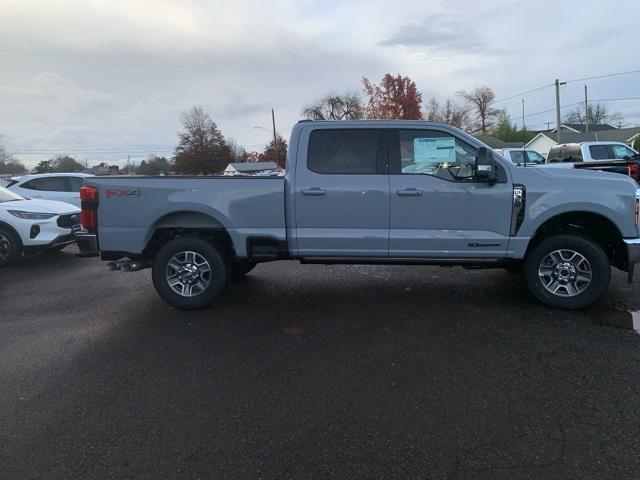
567 271
189 273
10 247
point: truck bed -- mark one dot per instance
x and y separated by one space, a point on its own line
131 208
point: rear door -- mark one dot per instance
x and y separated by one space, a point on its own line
437 208
342 192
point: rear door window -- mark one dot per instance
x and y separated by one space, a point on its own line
52 184
346 151
599 152
75 183
517 156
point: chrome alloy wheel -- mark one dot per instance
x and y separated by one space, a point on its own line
5 247
188 273
565 273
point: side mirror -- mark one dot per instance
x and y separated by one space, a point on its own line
485 165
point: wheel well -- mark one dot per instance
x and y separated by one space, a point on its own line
184 224
588 224
13 231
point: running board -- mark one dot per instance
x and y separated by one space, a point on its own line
445 262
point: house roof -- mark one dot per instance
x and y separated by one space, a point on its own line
614 135
581 127
253 166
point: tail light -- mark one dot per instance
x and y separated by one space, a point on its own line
637 207
89 205
633 170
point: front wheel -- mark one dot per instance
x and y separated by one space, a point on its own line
10 247
189 273
567 271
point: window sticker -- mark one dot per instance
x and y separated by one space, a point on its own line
434 150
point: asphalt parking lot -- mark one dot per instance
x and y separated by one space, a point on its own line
312 372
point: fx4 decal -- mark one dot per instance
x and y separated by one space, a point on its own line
122 193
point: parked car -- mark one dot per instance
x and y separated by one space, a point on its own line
519 155
63 187
370 192
31 226
614 157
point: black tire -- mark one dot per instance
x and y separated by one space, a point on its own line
10 247
216 280
598 266
240 268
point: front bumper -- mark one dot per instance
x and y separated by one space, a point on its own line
87 243
59 241
633 255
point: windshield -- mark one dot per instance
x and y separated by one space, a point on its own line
8 196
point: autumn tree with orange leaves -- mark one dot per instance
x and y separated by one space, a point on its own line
394 98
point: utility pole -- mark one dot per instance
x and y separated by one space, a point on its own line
548 125
524 153
557 84
275 138
586 110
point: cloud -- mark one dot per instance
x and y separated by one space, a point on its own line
91 75
441 33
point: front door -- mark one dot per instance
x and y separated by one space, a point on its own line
342 193
437 208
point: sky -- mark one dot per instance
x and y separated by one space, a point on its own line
101 80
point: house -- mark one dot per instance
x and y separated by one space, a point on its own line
543 142
103 169
250 168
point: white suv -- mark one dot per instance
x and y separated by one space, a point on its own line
63 187
517 156
31 226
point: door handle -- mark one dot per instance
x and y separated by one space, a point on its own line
409 192
313 191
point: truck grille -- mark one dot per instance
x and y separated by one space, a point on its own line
68 221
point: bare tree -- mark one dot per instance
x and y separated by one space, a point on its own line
597 114
451 112
10 165
480 103
335 107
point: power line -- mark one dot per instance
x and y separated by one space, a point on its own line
568 81
524 93
604 76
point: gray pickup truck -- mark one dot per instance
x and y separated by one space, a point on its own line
370 192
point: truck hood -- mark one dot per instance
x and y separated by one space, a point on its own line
578 174
40 206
